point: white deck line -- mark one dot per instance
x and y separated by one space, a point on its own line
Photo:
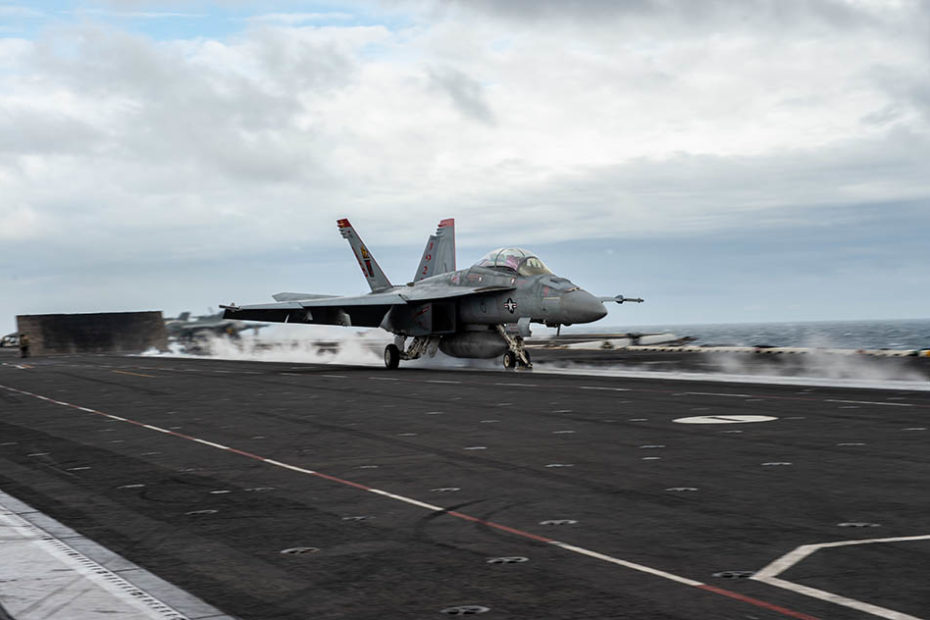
770 573
50 572
921 386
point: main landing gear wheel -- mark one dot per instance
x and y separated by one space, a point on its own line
512 360
391 357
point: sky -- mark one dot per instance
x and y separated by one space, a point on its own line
745 161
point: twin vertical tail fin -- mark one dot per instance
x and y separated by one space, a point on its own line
370 269
439 255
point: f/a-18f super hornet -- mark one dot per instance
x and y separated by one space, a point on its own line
480 312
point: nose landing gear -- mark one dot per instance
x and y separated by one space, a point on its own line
516 356
511 360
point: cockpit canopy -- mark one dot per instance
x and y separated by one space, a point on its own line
517 260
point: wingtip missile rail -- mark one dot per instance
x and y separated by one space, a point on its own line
621 299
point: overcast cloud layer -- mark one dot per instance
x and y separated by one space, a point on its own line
172 156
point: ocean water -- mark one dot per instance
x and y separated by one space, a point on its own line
897 334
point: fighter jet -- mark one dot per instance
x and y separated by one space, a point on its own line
186 328
484 311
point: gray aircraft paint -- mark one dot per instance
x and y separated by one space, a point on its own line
439 253
481 312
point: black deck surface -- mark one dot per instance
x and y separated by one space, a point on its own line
508 449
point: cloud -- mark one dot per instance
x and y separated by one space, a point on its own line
31 132
712 14
21 223
18 11
91 12
294 19
628 120
467 94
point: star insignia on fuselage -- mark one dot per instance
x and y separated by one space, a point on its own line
510 305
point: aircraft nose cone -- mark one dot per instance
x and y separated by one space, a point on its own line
582 307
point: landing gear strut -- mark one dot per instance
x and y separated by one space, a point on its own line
516 355
394 353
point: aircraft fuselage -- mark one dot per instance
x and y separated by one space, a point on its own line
465 324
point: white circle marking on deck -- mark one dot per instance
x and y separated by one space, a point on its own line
724 419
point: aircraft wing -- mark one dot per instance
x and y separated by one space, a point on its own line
373 299
298 296
410 294
418 294
359 311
